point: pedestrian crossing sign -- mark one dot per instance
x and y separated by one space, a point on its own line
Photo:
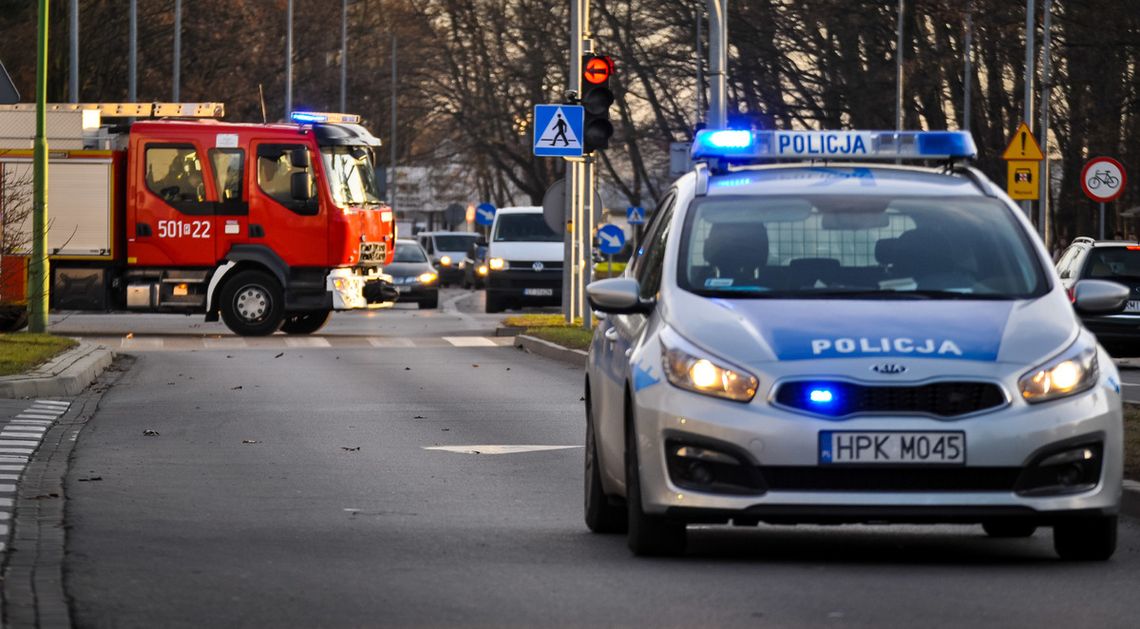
558 130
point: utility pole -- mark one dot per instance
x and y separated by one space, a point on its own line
288 59
38 269
133 54
176 74
392 149
899 70
570 235
343 55
73 78
1046 95
1027 108
718 63
700 59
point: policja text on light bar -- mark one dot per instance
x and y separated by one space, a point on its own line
738 145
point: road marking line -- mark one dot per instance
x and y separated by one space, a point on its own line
9 477
225 342
19 428
7 487
5 516
17 451
36 416
32 422
54 403
312 341
470 341
493 449
143 343
382 341
7 502
20 440
450 309
11 458
12 468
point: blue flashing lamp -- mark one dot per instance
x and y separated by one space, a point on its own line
746 146
821 396
307 117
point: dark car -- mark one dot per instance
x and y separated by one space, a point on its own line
446 251
415 279
1116 261
475 265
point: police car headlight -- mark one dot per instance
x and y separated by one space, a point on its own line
1074 371
687 368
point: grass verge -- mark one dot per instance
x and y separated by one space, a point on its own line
1132 441
574 338
21 351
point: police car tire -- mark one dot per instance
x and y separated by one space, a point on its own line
601 516
1087 539
306 322
1007 529
648 535
253 279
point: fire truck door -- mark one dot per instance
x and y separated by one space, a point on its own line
173 221
283 214
231 219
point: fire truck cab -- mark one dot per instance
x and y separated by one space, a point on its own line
267 226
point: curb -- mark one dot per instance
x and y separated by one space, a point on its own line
1130 500
506 330
63 376
547 349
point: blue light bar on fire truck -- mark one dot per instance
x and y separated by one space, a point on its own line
736 145
309 117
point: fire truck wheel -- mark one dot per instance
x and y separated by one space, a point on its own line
253 304
306 322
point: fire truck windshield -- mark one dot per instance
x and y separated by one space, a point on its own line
351 176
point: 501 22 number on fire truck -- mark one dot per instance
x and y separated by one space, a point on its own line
183 229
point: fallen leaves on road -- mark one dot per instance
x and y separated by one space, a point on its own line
250 441
150 433
445 430
280 355
418 417
237 388
93 478
475 366
130 335
348 449
407 368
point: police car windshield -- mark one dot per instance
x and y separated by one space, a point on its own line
351 177
409 252
866 247
524 228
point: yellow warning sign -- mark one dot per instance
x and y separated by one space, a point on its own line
1022 183
1023 146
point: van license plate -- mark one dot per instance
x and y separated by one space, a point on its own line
887 448
538 292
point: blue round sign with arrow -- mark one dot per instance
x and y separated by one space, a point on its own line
484 214
611 239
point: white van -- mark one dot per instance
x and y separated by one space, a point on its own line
524 258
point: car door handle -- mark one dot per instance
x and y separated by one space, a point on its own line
611 335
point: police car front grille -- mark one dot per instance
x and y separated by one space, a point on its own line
940 399
890 478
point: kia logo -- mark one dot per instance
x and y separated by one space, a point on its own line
537 266
889 369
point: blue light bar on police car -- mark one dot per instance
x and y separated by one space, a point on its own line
309 117
739 145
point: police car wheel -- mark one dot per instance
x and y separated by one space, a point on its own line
252 304
601 516
1006 529
1087 539
648 535
306 322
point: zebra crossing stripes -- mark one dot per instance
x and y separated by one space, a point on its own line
19 438
284 342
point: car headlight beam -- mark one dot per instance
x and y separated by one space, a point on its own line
427 278
686 369
1071 372
445 261
497 264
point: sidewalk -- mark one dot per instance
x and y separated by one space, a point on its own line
65 375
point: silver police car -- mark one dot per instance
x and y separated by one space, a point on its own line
843 339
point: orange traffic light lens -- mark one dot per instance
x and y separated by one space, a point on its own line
597 70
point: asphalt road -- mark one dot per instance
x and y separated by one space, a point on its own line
292 488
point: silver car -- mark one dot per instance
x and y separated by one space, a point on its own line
827 342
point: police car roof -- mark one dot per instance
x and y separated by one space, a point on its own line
841 179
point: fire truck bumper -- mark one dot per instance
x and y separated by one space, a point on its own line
350 289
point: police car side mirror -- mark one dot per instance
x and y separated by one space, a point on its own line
1099 297
618 295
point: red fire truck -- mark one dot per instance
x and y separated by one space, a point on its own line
269 226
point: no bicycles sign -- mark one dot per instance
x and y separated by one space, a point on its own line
1103 179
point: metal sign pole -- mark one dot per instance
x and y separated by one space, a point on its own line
1046 93
38 269
1030 47
1102 220
574 86
718 62
588 241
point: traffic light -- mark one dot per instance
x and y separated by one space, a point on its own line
596 99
